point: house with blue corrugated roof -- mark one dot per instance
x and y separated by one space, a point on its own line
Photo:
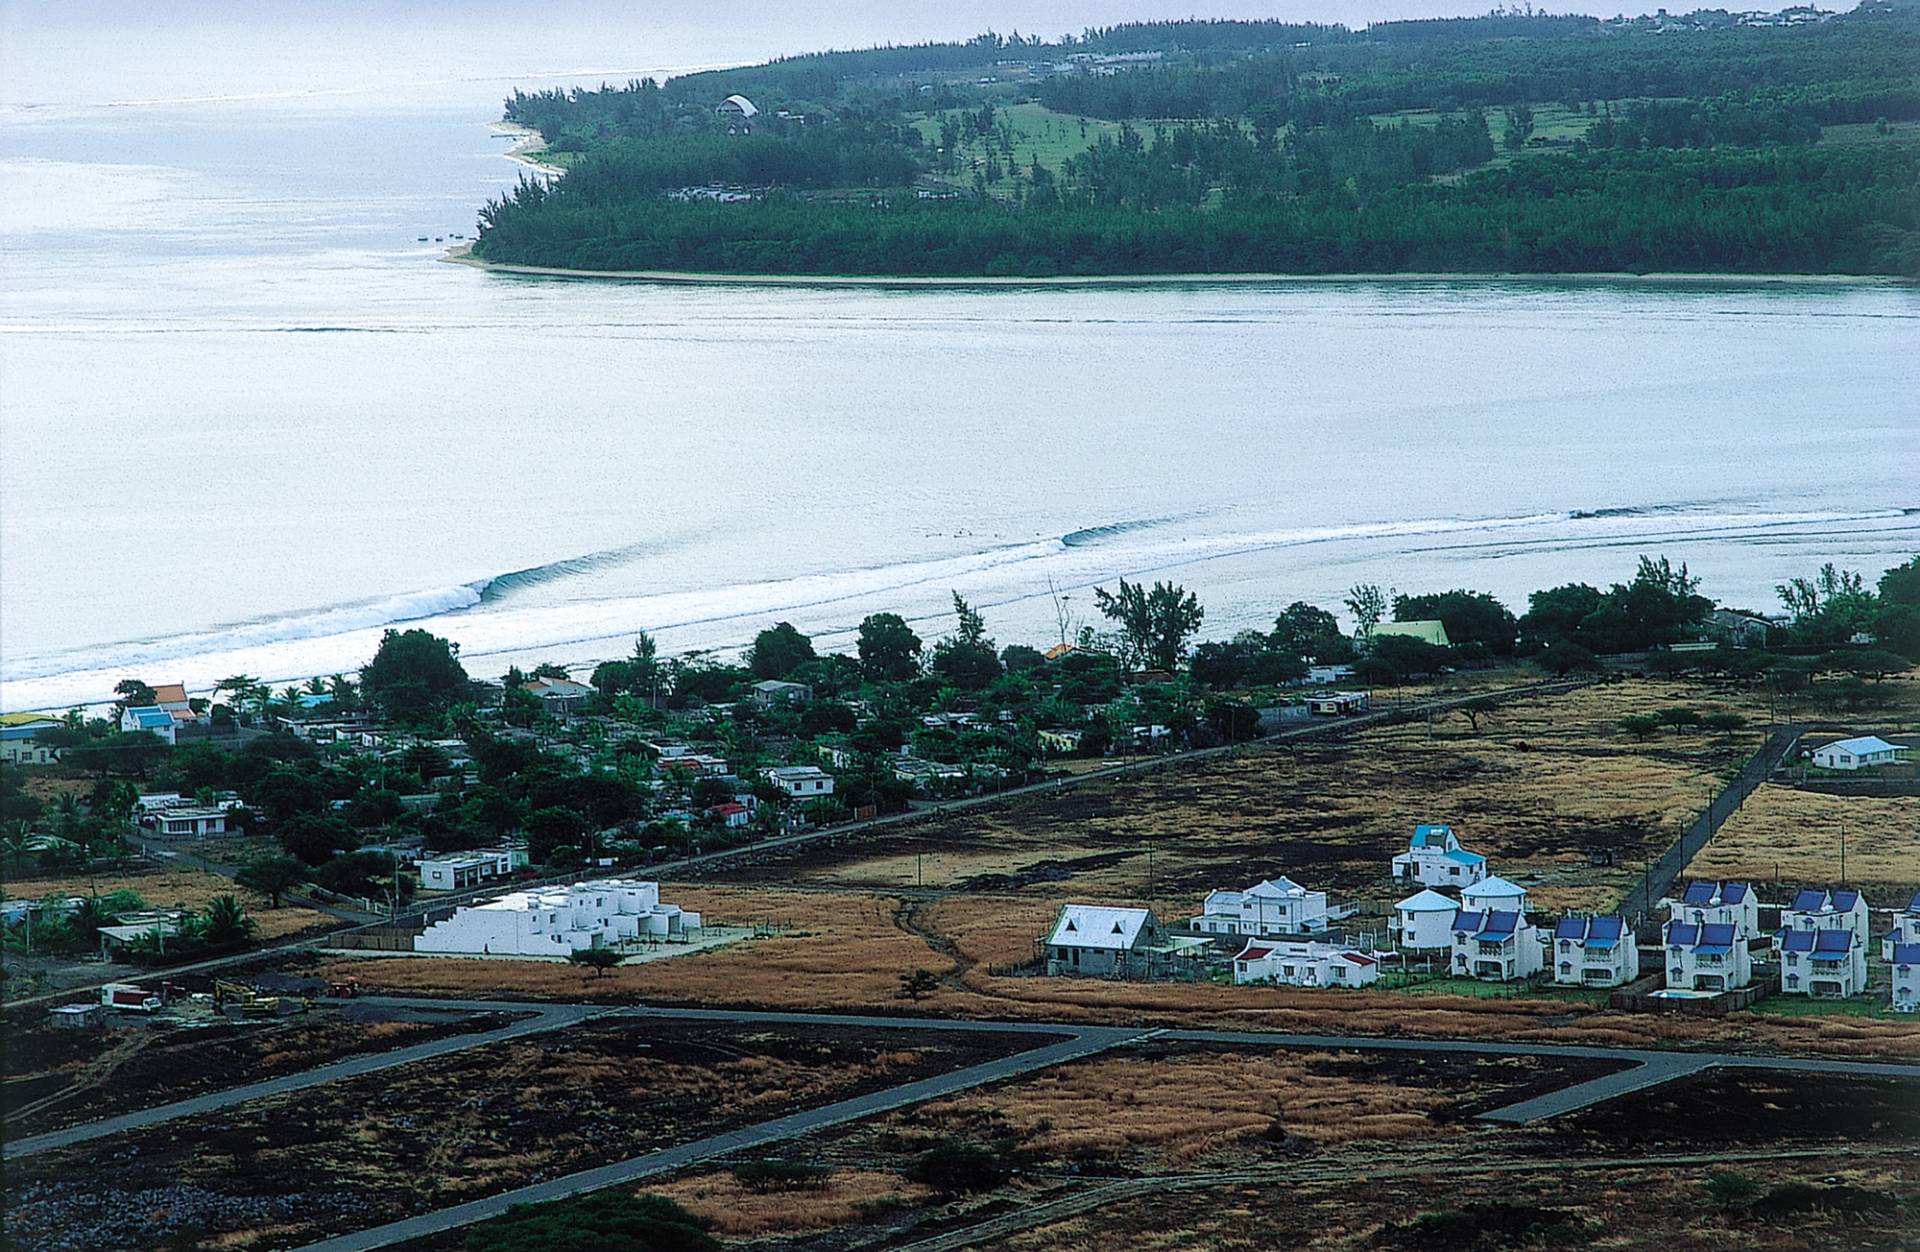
1904 959
1822 963
153 720
1434 858
1906 928
1815 910
1497 946
1594 952
1706 956
1714 903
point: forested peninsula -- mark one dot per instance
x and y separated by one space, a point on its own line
1704 143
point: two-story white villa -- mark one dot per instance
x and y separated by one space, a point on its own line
1906 928
1594 952
1277 906
1815 910
1434 858
1423 922
1822 963
1303 964
1904 962
1718 904
1497 947
1706 956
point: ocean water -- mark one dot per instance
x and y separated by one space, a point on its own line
248 420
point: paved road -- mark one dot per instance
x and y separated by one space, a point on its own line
1085 1041
544 1018
1656 883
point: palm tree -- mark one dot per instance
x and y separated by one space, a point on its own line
238 688
225 922
317 686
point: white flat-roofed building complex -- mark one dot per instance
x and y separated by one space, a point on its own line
1303 964
558 921
1277 906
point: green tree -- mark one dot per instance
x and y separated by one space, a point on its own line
889 650
778 651
598 960
272 875
134 694
967 658
918 985
614 1218
415 677
1155 623
225 923
1307 630
1640 725
1368 602
1472 618
1519 127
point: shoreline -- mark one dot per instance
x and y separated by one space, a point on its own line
463 255
527 144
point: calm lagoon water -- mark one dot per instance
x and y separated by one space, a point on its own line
248 421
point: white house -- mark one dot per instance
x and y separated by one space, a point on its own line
1434 858
1864 752
1906 928
17 739
1059 740
1097 940
1273 907
187 821
1706 956
1712 903
1822 963
1498 947
1594 952
155 721
557 921
1303 964
774 691
1423 921
1905 965
457 871
1494 894
802 782
1814 910
1336 703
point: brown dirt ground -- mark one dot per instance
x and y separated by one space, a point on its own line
170 887
844 1198
280 1172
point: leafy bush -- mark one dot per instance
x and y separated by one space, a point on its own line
956 1166
588 1223
771 1175
1728 1188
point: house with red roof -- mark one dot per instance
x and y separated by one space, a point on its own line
1303 964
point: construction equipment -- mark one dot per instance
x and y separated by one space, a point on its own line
237 999
128 997
344 989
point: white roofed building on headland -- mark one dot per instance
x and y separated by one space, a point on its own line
1864 752
558 921
1434 858
802 782
1274 907
1423 922
1096 940
1303 964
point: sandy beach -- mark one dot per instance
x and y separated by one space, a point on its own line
528 143
463 255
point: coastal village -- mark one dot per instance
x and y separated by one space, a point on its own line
1445 826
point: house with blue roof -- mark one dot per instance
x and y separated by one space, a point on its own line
153 720
1706 956
1815 910
1594 952
1906 928
1904 960
1719 904
1830 963
1434 858
18 734
1496 946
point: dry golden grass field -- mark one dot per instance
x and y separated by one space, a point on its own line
1536 788
844 1198
1795 836
173 887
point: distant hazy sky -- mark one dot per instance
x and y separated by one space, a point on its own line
106 51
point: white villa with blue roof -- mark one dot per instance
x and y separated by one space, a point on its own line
1434 858
1706 956
1277 906
1594 952
1904 959
1822 963
1814 910
1712 903
1496 946
154 721
1906 928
